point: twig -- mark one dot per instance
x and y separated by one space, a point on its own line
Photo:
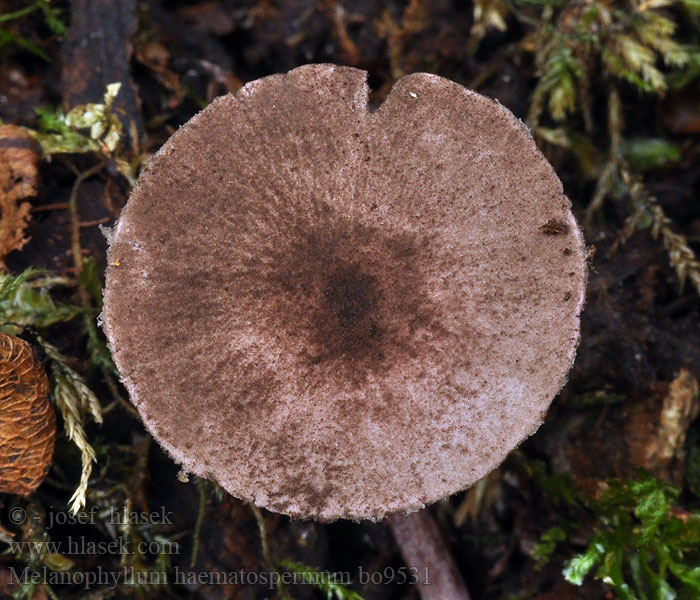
266 552
397 34
201 486
262 529
114 390
338 16
94 222
75 217
612 166
54 206
426 554
681 256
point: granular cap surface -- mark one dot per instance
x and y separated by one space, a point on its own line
337 312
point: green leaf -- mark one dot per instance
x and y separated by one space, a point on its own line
688 575
88 127
692 462
560 486
635 564
58 562
618 66
17 14
547 544
558 80
596 398
660 588
52 16
325 582
692 5
640 548
26 300
652 510
100 355
9 284
611 573
578 567
645 154
688 533
91 279
7 38
55 135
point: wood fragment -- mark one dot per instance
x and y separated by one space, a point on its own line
339 17
19 178
96 53
156 57
28 424
681 406
396 34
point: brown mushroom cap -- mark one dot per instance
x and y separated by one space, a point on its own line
334 312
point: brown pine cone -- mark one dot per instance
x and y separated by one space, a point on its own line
19 178
27 419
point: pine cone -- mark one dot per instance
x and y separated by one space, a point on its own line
27 419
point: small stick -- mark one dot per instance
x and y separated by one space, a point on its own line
75 219
54 206
196 536
268 556
426 555
94 222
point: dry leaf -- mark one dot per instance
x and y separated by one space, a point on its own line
27 419
656 435
680 409
19 176
156 57
210 17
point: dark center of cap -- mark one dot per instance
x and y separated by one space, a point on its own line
351 298
346 298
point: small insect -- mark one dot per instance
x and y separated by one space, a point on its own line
554 227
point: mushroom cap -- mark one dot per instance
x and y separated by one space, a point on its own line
334 312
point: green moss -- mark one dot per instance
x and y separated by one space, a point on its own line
639 546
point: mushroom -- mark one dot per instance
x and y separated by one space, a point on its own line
335 312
